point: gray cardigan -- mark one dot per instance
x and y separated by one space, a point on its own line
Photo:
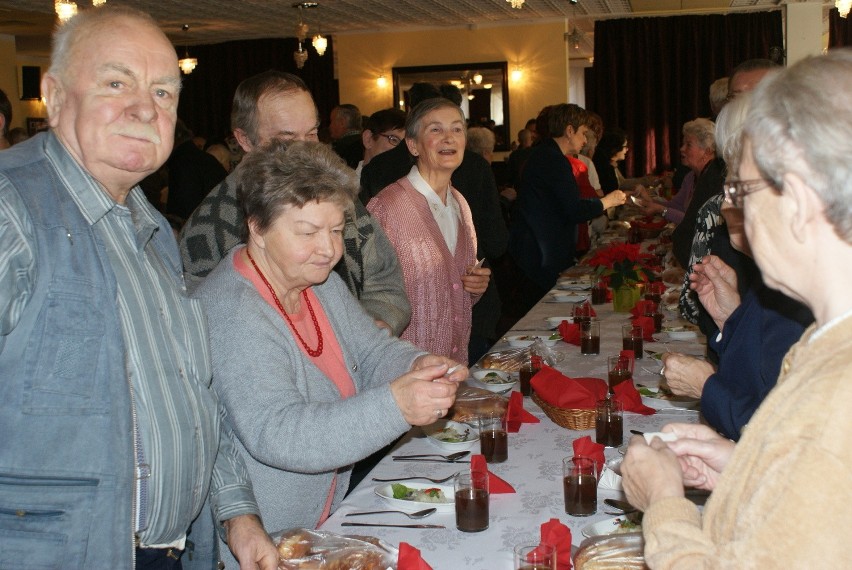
291 426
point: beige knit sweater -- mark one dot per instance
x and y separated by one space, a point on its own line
783 500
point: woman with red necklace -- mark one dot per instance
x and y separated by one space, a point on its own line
309 383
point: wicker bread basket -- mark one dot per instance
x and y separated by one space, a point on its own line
567 417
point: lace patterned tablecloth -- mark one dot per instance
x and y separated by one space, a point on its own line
534 466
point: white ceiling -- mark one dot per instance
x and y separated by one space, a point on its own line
213 21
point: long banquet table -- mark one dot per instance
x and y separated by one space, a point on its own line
534 467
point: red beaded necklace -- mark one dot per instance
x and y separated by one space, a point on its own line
313 353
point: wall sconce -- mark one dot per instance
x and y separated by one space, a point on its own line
517 74
381 81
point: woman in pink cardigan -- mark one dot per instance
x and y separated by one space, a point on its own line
429 224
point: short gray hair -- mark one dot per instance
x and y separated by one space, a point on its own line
84 24
291 173
799 123
718 94
704 131
729 131
480 140
412 124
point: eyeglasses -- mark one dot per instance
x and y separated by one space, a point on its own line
393 139
736 190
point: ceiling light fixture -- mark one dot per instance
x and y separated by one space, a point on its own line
187 64
516 3
477 78
320 44
843 6
300 56
97 3
65 10
575 38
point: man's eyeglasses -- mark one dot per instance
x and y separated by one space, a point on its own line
736 190
393 139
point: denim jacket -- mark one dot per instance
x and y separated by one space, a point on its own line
67 470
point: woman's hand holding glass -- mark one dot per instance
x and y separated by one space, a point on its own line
421 396
686 375
475 281
716 285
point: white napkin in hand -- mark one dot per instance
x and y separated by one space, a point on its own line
610 479
665 437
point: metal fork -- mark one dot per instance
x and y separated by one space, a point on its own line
442 480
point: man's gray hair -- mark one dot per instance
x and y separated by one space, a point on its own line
704 131
718 94
84 24
799 123
351 116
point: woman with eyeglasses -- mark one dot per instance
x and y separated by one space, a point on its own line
778 495
384 130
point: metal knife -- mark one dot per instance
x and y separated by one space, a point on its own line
431 460
394 525
621 505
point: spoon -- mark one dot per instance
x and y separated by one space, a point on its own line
441 480
415 515
450 457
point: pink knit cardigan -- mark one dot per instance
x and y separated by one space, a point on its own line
440 307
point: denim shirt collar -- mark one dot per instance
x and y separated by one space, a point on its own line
92 199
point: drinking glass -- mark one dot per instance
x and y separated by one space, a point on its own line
620 370
535 557
609 422
493 438
631 339
580 482
471 493
590 337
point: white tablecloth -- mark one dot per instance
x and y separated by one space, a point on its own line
534 467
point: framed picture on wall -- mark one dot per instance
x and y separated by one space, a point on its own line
36 124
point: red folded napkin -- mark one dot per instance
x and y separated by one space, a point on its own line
585 447
576 393
570 332
630 398
628 354
647 324
410 559
650 223
496 485
516 414
558 535
638 309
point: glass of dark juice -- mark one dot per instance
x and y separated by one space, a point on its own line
599 291
620 370
471 489
493 439
590 337
580 483
631 339
527 371
609 422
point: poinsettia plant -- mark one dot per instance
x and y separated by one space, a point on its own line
622 264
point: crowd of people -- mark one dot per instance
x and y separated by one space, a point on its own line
173 391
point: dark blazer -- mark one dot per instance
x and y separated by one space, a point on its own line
708 184
542 237
350 148
755 339
193 173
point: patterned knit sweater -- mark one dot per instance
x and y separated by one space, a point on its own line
369 266
780 502
440 307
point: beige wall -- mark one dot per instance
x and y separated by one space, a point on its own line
10 79
539 50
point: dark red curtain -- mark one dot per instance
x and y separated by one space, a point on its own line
839 29
205 101
651 75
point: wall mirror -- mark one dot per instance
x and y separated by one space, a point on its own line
484 87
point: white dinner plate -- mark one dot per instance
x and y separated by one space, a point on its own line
525 340
568 297
675 336
554 322
608 526
386 492
503 382
571 285
437 431
673 402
